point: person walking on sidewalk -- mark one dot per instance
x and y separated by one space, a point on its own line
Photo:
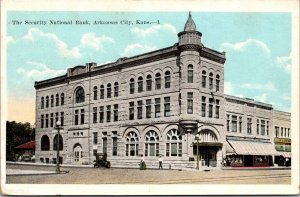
160 160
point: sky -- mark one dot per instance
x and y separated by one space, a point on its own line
257 46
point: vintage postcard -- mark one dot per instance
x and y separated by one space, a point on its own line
149 97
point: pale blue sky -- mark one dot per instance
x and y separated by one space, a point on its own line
257 46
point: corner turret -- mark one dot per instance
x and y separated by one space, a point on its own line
190 35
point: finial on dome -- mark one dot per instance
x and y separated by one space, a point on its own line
190 24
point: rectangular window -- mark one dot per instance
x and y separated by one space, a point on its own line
167 104
140 110
116 90
217 108
82 116
116 112
108 113
267 129
281 132
288 133
210 83
62 99
104 145
263 127
148 108
52 101
56 100
149 84
51 120
203 81
62 118
257 127
190 102
210 108
158 82
102 92
131 110
217 85
56 117
228 123
95 138
276 131
131 86
234 123
140 85
203 106
249 125
42 121
115 146
47 120
94 114
240 124
157 107
284 132
190 76
101 114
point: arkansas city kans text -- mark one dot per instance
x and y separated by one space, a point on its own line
82 22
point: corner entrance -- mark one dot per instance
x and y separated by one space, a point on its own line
207 155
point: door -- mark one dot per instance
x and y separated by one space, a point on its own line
78 154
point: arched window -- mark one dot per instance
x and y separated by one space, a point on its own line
47 101
151 144
157 81
102 92
203 79
174 143
211 81
62 99
79 95
217 82
149 83
56 100
167 79
132 144
52 100
55 140
45 143
140 84
108 90
95 92
190 74
116 89
131 85
42 103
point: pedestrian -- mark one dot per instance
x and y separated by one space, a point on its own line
160 160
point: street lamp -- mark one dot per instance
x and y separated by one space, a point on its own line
197 138
58 127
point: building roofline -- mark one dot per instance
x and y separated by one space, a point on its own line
247 100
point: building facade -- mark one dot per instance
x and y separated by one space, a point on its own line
151 105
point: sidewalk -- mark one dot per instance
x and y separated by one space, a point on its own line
14 172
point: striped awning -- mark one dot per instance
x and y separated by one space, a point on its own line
286 154
252 147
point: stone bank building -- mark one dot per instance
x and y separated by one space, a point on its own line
152 105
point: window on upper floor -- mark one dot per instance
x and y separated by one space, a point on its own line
276 131
217 108
95 114
234 123
42 103
249 125
167 106
139 109
140 84
263 127
203 79
102 92
56 100
190 73
116 89
149 83
79 95
157 81
148 108
157 107
203 106
190 102
52 101
210 82
108 113
210 107
95 92
116 112
131 86
167 79
47 101
217 83
62 99
82 116
108 90
131 110
101 114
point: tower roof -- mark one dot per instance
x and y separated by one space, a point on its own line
190 24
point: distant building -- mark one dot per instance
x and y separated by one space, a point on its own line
150 105
26 151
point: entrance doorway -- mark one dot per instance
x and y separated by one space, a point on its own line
77 153
207 155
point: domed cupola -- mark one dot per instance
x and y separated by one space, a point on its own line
190 35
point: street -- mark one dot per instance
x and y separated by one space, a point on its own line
80 175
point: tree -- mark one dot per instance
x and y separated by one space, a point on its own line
17 134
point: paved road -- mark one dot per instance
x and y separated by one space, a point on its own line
134 176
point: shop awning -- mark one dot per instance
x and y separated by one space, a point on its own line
252 147
285 154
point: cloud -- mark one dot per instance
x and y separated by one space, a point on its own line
230 89
41 72
154 29
91 40
36 35
256 86
261 98
9 39
242 46
285 62
134 49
